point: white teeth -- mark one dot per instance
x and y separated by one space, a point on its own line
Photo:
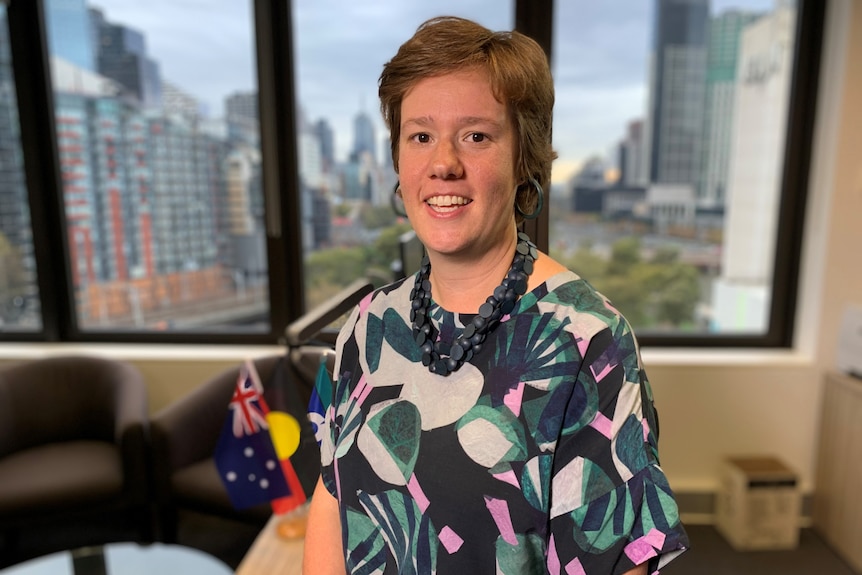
446 201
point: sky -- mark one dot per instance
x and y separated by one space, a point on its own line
601 51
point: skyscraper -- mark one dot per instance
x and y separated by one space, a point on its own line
243 121
68 23
676 95
363 136
241 105
721 76
741 293
327 143
123 57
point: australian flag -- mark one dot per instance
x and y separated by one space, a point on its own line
245 455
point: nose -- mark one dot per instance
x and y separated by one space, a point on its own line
446 163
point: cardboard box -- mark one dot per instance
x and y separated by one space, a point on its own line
759 504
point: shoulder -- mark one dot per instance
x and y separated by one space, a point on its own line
573 299
395 296
544 268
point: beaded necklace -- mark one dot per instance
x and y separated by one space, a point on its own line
435 356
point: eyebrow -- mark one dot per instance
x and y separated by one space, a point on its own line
423 121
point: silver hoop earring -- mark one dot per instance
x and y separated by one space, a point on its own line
539 204
397 206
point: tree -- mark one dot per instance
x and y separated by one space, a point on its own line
13 280
387 247
376 217
677 299
587 263
625 254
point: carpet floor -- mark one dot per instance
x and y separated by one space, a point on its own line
710 554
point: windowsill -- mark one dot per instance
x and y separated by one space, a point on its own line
140 352
652 357
725 357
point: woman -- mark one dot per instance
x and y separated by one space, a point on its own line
491 412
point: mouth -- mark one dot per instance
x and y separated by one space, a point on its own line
445 204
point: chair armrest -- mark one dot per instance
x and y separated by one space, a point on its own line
187 430
306 327
131 427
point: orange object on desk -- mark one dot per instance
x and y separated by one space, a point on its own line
292 527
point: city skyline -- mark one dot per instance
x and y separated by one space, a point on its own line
601 82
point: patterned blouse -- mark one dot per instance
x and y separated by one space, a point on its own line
537 456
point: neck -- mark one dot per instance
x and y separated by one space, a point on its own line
435 355
461 285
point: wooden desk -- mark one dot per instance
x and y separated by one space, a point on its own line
272 553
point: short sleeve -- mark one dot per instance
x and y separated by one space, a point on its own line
325 401
611 507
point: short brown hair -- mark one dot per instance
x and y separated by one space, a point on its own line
520 77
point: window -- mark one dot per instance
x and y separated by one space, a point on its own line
199 175
669 189
155 108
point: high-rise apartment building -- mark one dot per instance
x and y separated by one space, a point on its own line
17 266
177 102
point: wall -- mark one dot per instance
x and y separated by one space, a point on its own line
711 404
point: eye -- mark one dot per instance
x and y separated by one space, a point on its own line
421 138
478 137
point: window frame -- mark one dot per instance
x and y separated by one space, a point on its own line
277 107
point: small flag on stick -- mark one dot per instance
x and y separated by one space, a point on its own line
245 455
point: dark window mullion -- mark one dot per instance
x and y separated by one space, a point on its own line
276 92
535 18
30 64
802 108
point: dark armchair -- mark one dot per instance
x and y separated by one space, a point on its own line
72 456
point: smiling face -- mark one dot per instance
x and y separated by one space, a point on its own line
457 165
